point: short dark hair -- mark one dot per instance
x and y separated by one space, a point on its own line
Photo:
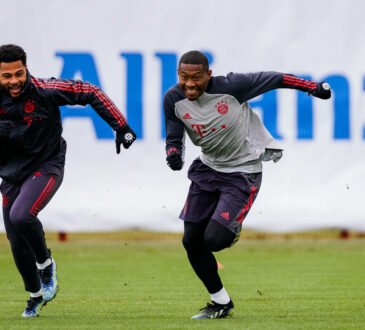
195 57
12 53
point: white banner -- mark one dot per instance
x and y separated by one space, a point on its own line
130 49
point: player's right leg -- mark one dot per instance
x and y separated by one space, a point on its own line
27 237
215 238
201 259
204 264
23 255
36 192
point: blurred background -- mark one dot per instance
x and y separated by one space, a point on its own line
131 48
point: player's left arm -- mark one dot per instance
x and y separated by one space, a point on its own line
254 84
76 92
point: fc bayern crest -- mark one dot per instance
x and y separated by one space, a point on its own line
222 107
29 106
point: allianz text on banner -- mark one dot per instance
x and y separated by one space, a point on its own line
76 63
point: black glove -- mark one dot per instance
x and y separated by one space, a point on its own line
174 159
6 126
126 136
323 90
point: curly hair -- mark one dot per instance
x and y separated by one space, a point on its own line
195 57
12 53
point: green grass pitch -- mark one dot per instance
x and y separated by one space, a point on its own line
123 281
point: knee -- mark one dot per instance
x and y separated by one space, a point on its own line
19 218
218 237
190 244
214 244
193 238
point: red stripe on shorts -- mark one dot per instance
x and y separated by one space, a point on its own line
247 206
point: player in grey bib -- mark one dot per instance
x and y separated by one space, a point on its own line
226 178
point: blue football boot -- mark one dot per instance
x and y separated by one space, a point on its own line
34 305
49 281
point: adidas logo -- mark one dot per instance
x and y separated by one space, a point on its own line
225 215
187 116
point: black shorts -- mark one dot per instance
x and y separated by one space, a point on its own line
223 197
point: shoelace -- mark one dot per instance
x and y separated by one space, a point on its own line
209 306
